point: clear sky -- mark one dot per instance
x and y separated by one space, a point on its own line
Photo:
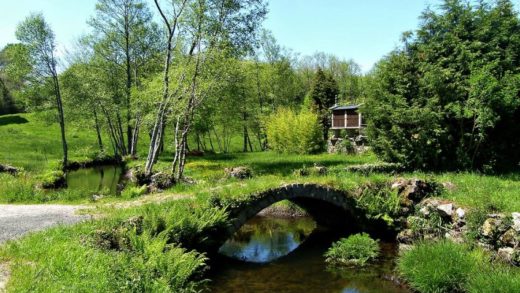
363 30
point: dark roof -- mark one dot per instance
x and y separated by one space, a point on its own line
348 107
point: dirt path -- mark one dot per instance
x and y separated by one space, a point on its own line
17 220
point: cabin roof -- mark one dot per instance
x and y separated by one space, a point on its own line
347 107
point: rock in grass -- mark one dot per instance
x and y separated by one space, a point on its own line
445 210
8 169
239 172
506 253
491 227
516 221
509 238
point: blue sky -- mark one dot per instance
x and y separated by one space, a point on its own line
362 30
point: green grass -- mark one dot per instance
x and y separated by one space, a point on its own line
153 256
357 250
445 266
35 144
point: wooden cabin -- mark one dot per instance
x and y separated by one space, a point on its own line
346 117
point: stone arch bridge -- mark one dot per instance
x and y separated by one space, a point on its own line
328 207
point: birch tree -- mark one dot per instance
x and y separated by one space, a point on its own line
36 33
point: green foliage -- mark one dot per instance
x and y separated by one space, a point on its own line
357 249
450 267
437 267
448 98
290 132
53 179
323 95
495 278
379 201
151 259
134 191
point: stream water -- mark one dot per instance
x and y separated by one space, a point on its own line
286 255
96 179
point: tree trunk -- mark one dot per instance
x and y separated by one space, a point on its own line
120 134
98 131
61 120
135 136
218 139
128 89
211 142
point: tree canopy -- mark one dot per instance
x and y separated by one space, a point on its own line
449 97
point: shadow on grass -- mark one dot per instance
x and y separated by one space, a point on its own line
6 120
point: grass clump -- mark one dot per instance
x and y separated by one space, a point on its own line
357 250
437 267
53 179
446 266
367 169
134 191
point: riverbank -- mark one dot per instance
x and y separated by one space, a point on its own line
284 209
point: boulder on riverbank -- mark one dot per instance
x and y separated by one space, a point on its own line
501 233
434 219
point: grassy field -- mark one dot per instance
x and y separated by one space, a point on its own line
31 142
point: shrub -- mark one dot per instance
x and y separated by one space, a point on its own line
379 201
442 266
54 179
291 132
357 249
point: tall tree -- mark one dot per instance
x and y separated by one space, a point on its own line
39 38
209 27
323 95
448 98
124 28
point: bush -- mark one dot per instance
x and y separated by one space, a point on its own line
442 266
291 132
53 179
379 201
357 249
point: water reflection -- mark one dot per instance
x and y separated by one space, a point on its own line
303 269
266 239
102 179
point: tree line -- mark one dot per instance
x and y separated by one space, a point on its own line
201 74
185 74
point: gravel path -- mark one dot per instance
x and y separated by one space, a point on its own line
17 220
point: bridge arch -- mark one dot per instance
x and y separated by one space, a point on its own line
328 206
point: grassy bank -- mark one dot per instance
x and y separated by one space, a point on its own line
449 267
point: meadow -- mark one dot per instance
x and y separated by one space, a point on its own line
78 258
